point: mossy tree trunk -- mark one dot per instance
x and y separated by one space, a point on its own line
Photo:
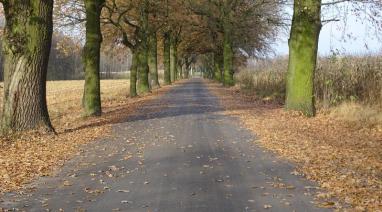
133 75
26 45
228 51
143 49
153 60
303 45
166 58
142 69
91 57
217 67
173 59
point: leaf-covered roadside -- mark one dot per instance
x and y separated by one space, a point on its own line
344 159
29 155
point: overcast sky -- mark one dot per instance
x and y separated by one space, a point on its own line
356 36
362 40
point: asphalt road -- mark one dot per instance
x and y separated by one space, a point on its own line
178 153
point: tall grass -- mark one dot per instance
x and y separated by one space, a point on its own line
266 79
348 87
337 80
350 78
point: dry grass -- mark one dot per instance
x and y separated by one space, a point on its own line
65 96
338 81
358 115
26 156
345 160
266 80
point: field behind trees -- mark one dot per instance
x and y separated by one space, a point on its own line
65 61
64 97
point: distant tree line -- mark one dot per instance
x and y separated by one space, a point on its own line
65 61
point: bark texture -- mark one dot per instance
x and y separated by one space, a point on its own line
142 49
166 58
303 44
26 46
133 75
91 57
217 67
153 60
228 79
173 59
142 69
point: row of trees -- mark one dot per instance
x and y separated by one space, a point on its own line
138 25
225 31
305 29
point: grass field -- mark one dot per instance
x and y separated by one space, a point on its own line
64 97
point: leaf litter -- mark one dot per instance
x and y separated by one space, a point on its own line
26 156
344 159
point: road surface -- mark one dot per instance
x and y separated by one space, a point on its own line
178 153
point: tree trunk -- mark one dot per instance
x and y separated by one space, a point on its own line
303 45
217 67
228 55
26 45
143 49
166 58
186 72
142 69
173 59
180 70
153 60
188 67
91 57
133 75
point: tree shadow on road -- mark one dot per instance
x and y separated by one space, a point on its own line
190 97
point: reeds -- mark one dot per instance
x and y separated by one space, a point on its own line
349 87
337 80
